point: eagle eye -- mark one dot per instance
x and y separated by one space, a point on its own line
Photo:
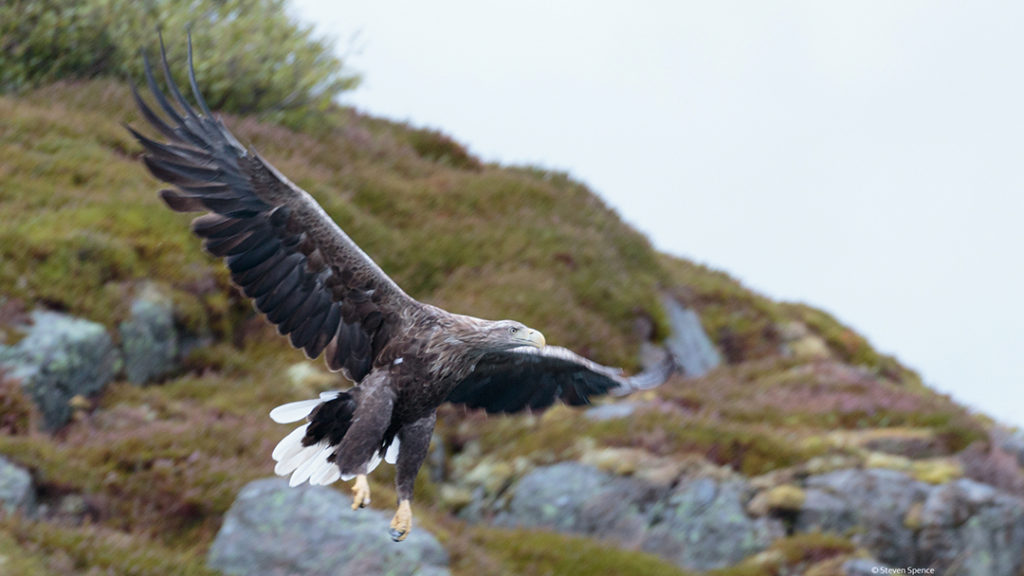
513 330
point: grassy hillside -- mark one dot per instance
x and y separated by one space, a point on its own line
158 467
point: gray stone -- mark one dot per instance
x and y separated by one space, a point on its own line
148 338
275 530
16 490
611 411
902 522
974 526
703 525
688 343
699 525
577 498
874 501
1012 441
59 358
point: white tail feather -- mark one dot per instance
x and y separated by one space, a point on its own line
322 471
326 475
293 411
309 463
287 466
392 454
290 444
302 473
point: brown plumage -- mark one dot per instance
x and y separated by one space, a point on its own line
319 288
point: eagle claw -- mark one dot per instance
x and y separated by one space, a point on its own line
401 524
360 493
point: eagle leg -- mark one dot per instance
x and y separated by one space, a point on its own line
401 524
360 492
414 442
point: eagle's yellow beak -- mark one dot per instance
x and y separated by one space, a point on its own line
536 338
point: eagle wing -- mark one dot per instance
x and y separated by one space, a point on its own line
301 270
533 378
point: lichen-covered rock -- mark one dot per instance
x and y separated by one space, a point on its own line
903 521
274 530
701 524
16 489
1012 441
973 525
688 343
872 502
148 338
577 498
59 358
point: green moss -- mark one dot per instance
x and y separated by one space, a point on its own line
55 549
16 559
550 554
749 449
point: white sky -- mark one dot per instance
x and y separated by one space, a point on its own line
863 157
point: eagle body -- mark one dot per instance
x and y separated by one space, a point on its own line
299 268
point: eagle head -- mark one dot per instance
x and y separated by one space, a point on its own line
508 334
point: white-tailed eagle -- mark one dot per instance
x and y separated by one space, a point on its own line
322 291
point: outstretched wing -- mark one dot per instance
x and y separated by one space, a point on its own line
533 378
301 270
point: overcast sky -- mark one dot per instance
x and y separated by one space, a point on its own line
864 157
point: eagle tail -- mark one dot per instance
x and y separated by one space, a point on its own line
308 453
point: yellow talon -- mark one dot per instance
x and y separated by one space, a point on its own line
360 492
401 524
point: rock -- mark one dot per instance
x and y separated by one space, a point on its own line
800 342
873 502
149 340
699 525
903 521
611 411
1012 441
974 526
275 530
308 377
16 489
60 357
782 498
688 343
577 498
702 525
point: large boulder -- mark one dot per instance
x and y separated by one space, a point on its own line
61 357
902 521
149 339
703 525
974 526
689 345
577 498
700 524
874 502
16 489
274 530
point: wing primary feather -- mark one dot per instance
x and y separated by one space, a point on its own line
177 93
192 81
151 117
166 105
180 202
